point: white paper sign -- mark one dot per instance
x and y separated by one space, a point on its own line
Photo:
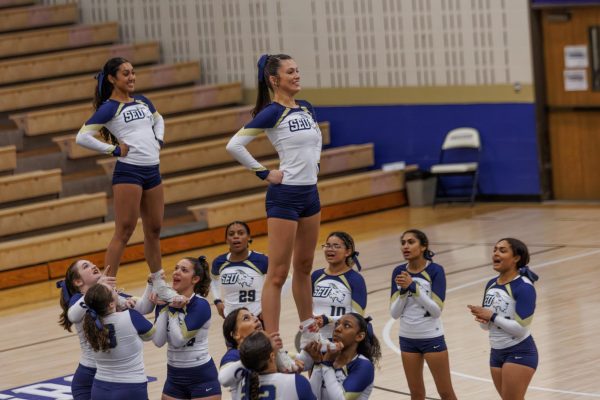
576 56
575 80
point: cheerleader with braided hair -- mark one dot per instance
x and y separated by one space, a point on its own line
418 291
261 379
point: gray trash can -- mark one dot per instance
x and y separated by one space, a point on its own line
420 186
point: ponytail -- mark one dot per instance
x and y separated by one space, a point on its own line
369 347
268 65
104 89
67 290
97 300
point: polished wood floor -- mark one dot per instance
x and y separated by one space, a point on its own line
565 244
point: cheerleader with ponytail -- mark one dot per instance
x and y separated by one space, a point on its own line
133 130
116 339
337 289
418 291
191 372
261 379
348 372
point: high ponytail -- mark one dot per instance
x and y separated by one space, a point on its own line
268 65
104 89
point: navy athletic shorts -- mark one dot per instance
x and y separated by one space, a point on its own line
194 382
292 202
429 345
524 353
146 176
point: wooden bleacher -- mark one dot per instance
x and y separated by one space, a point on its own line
48 66
61 38
20 18
8 158
52 213
331 191
30 185
70 118
202 154
181 128
69 62
65 90
237 178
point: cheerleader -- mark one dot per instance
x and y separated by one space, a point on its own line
261 379
191 372
80 276
238 276
348 373
292 202
507 312
337 289
116 339
133 131
418 291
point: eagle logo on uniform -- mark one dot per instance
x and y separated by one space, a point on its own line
244 279
499 304
336 294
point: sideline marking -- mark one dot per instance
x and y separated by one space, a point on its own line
388 328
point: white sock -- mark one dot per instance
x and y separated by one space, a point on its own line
306 323
157 275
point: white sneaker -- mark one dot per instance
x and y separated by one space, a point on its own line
307 337
163 291
284 362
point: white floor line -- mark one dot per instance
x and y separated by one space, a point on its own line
388 327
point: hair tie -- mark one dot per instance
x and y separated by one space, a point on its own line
100 79
262 61
525 271
92 313
355 259
64 290
428 255
370 332
202 258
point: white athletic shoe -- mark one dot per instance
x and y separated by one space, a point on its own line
163 291
284 362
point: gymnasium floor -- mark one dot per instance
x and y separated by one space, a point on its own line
564 241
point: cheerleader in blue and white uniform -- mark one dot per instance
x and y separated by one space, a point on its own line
292 203
418 291
337 289
80 276
116 339
261 379
238 276
507 312
348 373
191 372
133 131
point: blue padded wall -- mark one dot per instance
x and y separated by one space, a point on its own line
414 133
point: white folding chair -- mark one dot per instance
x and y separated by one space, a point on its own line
459 156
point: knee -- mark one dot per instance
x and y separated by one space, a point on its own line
303 267
124 231
277 280
152 231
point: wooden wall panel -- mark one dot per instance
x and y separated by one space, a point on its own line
557 34
575 145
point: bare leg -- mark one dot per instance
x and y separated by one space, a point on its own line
126 198
282 233
497 379
515 380
152 210
439 366
307 236
413 369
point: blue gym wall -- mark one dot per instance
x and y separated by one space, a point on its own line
414 133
